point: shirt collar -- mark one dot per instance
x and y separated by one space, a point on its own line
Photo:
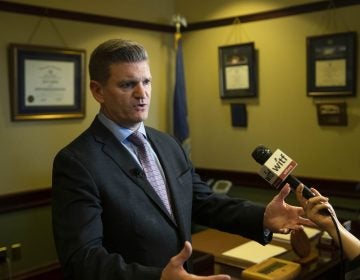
121 133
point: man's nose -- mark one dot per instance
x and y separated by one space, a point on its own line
140 90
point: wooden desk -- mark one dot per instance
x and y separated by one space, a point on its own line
325 266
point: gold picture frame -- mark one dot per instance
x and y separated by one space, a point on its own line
46 82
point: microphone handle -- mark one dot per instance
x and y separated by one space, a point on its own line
294 182
307 193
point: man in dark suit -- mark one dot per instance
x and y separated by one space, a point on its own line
108 220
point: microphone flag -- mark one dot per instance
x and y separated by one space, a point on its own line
180 121
277 168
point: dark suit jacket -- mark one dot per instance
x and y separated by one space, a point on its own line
109 223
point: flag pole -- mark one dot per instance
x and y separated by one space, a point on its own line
179 21
180 120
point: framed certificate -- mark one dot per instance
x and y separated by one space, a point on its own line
237 71
46 82
331 65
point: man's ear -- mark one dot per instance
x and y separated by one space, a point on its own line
97 91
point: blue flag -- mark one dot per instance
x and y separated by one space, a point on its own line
181 127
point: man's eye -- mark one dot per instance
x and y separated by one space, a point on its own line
146 82
128 85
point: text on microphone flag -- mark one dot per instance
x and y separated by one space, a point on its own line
277 168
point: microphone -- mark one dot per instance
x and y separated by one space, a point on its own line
276 169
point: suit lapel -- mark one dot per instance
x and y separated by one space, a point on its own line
122 158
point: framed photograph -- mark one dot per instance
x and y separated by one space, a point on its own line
238 71
332 113
46 82
331 65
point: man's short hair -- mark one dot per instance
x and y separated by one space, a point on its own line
111 52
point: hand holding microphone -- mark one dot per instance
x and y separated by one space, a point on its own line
276 169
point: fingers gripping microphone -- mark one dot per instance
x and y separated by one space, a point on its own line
276 169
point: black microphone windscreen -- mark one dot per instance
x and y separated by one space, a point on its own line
261 154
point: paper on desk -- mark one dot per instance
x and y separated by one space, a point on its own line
254 252
310 232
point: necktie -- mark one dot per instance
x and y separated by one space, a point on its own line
150 167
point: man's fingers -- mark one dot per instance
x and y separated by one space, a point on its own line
284 192
299 195
284 230
188 249
212 277
183 256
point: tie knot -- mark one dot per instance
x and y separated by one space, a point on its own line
137 138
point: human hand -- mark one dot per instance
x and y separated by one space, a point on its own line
174 270
330 223
282 217
314 207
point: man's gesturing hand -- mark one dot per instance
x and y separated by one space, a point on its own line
174 270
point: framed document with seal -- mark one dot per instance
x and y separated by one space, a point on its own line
331 65
46 82
238 71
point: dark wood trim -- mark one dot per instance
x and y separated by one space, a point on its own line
84 17
48 271
23 200
329 187
284 12
107 20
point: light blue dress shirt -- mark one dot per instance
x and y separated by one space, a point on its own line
121 134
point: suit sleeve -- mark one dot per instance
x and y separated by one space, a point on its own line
78 229
233 215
